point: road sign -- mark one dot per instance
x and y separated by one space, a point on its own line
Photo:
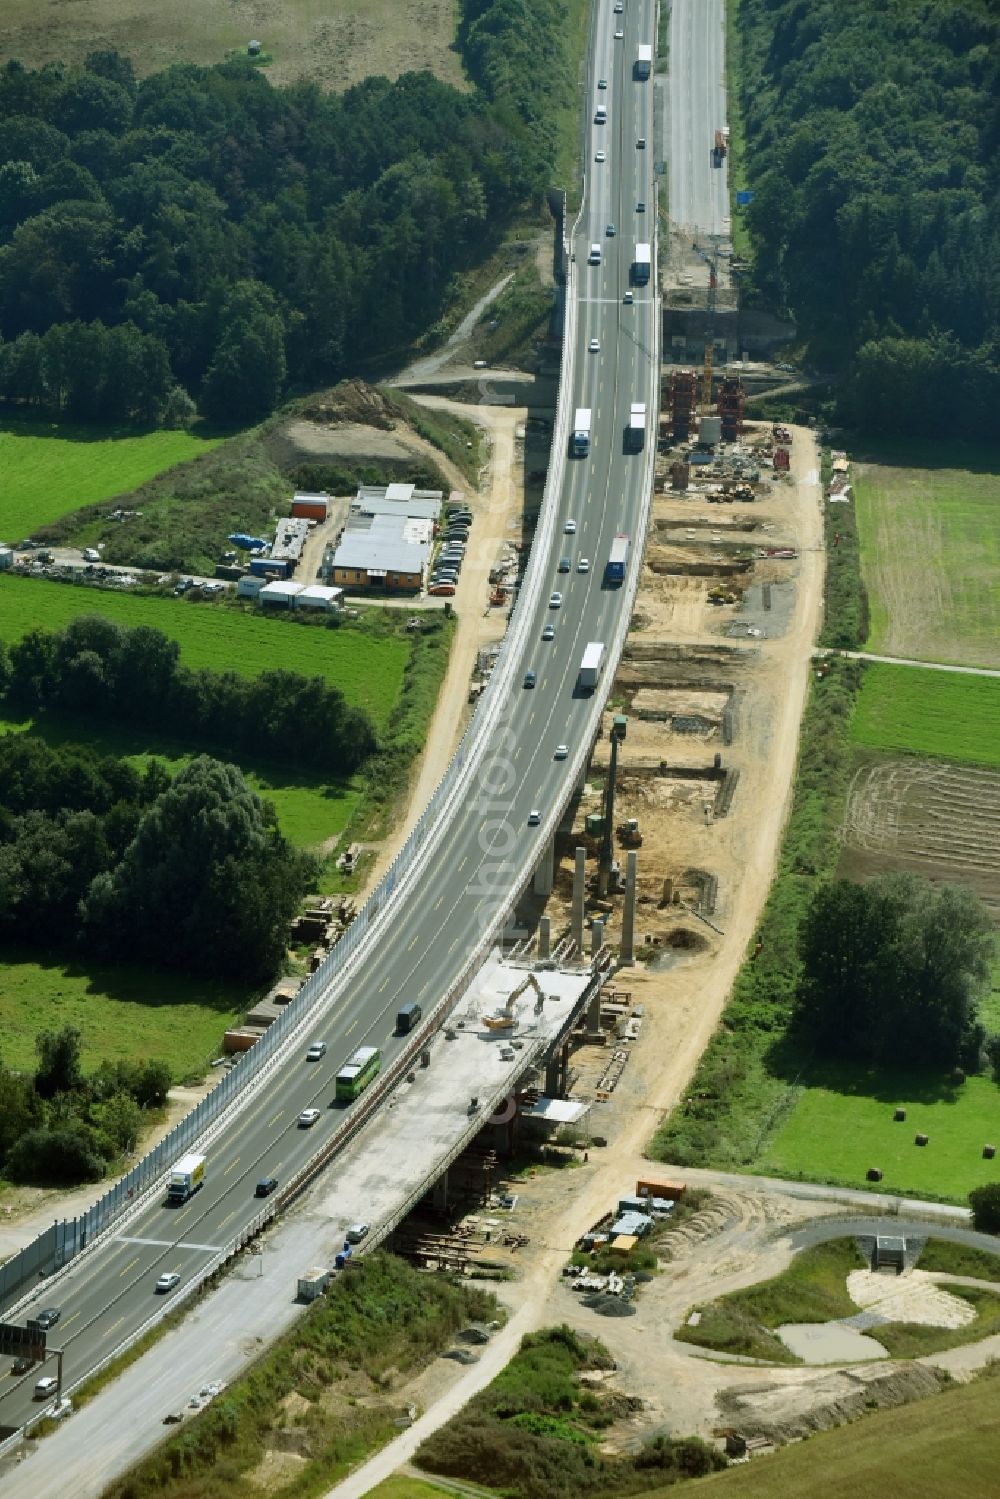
21 1342
743 198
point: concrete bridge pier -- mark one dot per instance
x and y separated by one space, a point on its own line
626 955
440 1195
579 892
545 870
594 1032
544 937
556 1072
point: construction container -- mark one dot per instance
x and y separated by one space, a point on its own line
710 431
278 567
313 1284
311 507
283 595
240 1039
671 1191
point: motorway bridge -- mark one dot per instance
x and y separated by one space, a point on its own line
428 929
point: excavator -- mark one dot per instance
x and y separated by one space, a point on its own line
502 1020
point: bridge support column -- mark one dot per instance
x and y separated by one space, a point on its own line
544 937
545 870
579 892
440 1198
627 952
556 1069
594 1032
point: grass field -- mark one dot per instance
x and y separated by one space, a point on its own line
929 713
121 1012
49 470
948 1444
368 671
419 1488
930 555
842 1123
333 44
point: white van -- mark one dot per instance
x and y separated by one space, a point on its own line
594 258
46 1387
601 115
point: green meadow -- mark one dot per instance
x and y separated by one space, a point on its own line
122 1013
842 1124
944 714
51 469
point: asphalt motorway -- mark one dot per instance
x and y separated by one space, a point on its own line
489 846
699 192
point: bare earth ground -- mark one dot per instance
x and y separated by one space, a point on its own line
334 43
928 817
682 1001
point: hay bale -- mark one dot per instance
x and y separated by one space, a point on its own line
874 1174
899 1116
920 1140
989 1151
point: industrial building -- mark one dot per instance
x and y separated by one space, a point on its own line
386 544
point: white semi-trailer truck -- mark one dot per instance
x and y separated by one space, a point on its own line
590 666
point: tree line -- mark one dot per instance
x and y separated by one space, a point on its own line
188 873
135 676
58 1127
220 238
872 149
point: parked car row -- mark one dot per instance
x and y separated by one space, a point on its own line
448 564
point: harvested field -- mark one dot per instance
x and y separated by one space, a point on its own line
930 557
929 817
334 45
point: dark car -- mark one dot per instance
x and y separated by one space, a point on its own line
529 679
48 1318
265 1186
22 1365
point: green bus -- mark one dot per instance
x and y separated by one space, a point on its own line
357 1072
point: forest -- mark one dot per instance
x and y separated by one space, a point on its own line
201 237
872 140
98 857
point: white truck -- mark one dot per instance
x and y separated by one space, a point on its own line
644 60
641 264
580 441
590 666
635 432
186 1177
